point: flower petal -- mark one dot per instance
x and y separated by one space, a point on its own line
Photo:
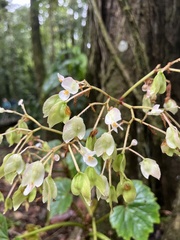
64 95
112 116
71 85
90 160
155 110
28 189
60 77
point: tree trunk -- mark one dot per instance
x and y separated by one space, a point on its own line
152 31
53 5
172 231
37 49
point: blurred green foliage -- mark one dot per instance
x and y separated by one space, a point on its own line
62 26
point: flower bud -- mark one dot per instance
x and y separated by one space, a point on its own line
134 142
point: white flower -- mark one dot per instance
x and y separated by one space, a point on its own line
112 117
150 167
56 157
74 127
104 144
155 110
70 87
33 176
88 156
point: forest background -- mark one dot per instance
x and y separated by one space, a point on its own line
111 43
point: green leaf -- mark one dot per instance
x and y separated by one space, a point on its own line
64 197
3 228
72 170
136 219
51 83
54 143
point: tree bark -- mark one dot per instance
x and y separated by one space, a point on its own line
172 230
152 30
37 49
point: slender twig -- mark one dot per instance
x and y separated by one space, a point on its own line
172 119
174 70
150 126
94 229
73 158
138 83
138 154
